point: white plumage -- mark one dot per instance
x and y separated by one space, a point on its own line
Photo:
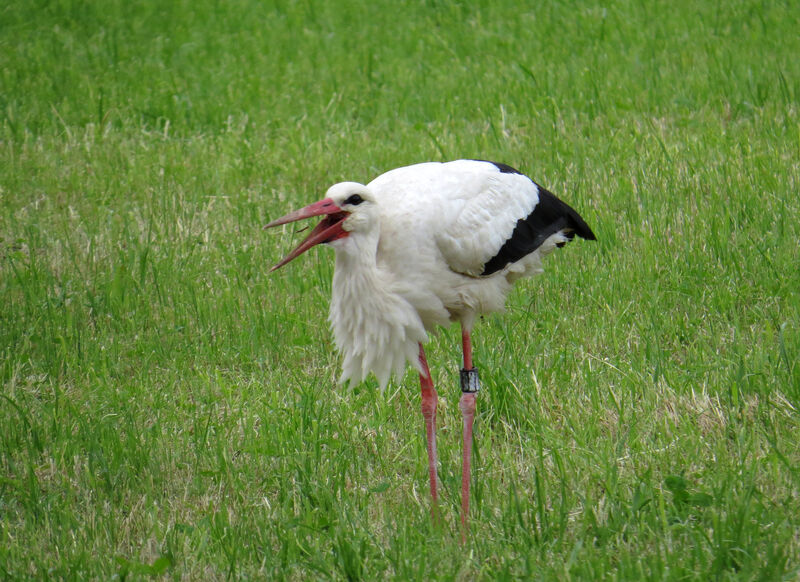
413 259
425 245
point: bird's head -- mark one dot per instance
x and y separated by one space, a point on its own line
348 208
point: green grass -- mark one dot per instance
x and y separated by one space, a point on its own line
169 409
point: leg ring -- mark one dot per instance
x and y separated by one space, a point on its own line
470 383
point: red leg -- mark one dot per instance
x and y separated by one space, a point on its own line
466 346
429 401
469 388
467 406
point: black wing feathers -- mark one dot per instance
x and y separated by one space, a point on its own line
549 216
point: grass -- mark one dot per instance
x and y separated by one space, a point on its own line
169 409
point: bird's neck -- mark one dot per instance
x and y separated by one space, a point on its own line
357 280
375 328
357 250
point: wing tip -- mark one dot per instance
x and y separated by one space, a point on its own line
583 229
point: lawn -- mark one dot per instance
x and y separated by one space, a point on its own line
170 409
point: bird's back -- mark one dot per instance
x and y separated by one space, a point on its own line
475 216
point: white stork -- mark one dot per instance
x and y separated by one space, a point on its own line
426 245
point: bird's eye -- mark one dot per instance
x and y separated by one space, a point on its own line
355 200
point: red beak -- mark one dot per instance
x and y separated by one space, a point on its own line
330 228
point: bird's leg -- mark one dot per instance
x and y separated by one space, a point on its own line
429 401
466 347
469 392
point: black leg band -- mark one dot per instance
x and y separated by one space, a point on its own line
470 383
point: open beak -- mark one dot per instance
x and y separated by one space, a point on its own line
330 228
